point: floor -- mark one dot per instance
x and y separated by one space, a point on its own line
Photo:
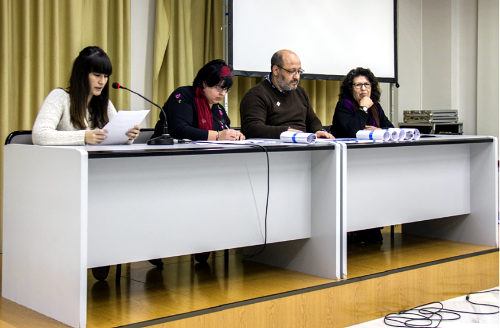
460 304
145 293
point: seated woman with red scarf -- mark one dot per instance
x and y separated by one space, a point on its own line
194 112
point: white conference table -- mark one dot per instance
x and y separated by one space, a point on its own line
67 209
442 187
95 206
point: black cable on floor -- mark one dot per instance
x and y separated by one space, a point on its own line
430 315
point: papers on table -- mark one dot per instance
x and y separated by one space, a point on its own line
415 134
362 136
383 135
235 142
298 137
392 134
119 125
345 140
398 134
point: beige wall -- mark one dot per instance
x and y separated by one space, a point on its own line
142 24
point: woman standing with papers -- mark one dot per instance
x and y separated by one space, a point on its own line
194 112
358 107
76 115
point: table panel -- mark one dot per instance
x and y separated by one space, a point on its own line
157 207
387 186
321 254
480 226
44 261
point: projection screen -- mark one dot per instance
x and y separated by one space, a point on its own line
331 37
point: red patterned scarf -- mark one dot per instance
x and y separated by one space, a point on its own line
205 120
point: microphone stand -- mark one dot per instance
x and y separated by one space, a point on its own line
165 138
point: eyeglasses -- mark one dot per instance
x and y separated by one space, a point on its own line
300 71
359 85
220 89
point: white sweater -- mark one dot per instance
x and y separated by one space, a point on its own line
53 126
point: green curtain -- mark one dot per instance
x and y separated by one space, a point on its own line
41 39
188 34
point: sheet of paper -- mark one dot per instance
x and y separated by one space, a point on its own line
118 126
325 140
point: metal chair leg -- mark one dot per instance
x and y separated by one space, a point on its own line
118 273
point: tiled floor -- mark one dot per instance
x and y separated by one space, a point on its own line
460 304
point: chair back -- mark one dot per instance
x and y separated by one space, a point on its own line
19 137
24 137
144 136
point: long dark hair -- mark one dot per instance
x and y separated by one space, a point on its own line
90 60
210 73
346 87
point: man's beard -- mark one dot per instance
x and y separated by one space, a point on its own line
286 86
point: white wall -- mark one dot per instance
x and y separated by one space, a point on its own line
488 122
437 57
142 25
466 64
409 94
436 54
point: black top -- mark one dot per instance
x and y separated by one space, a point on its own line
182 116
347 121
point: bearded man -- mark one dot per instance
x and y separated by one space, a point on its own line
278 103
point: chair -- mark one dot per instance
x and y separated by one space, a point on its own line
144 136
24 137
19 137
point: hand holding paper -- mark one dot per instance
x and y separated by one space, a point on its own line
118 127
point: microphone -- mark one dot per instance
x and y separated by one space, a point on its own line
164 139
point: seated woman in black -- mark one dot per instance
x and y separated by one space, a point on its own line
194 112
358 107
